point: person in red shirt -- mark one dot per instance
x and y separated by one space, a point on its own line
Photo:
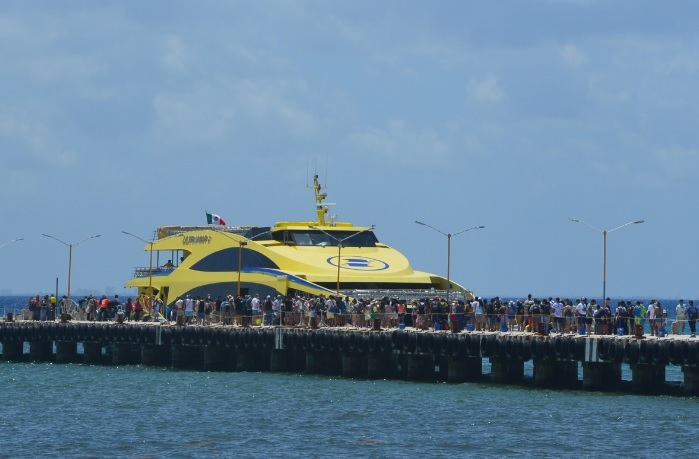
128 307
104 304
137 309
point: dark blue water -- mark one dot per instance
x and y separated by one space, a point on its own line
86 411
143 412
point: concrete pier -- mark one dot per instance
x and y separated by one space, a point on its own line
41 351
126 354
12 350
412 355
506 371
647 378
379 366
601 376
555 373
463 369
420 367
186 357
92 353
691 380
154 355
66 352
354 365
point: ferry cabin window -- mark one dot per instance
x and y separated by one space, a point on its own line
227 260
318 238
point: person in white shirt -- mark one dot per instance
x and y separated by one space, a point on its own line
681 314
557 307
255 304
651 317
580 310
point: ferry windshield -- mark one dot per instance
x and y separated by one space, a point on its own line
318 238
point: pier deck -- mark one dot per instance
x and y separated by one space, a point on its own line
406 354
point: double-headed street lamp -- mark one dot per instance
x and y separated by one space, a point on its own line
449 235
150 267
604 256
10 241
339 248
241 244
70 254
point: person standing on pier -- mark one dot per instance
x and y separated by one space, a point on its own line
681 316
41 308
557 307
51 308
651 317
91 308
128 309
546 312
692 316
589 317
31 306
528 303
188 309
621 318
137 309
580 310
179 309
255 306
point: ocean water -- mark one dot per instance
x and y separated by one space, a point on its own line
87 411
133 411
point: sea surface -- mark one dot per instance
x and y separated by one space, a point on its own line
87 411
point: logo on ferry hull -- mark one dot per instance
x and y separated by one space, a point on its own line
359 263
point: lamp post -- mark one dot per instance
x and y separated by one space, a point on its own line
339 248
604 252
150 267
70 258
241 244
10 241
449 235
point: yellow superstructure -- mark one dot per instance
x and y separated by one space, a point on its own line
298 258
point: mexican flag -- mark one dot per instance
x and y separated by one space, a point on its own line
213 219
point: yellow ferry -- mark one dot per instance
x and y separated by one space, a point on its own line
289 258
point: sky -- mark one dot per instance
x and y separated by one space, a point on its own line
515 115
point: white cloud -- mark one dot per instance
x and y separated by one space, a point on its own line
34 139
400 143
675 163
487 89
176 55
216 110
572 56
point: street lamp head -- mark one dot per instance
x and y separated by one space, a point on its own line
638 221
242 243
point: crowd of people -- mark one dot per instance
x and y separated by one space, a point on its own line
529 315
93 308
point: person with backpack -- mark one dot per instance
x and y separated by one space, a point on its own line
535 313
621 318
692 316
